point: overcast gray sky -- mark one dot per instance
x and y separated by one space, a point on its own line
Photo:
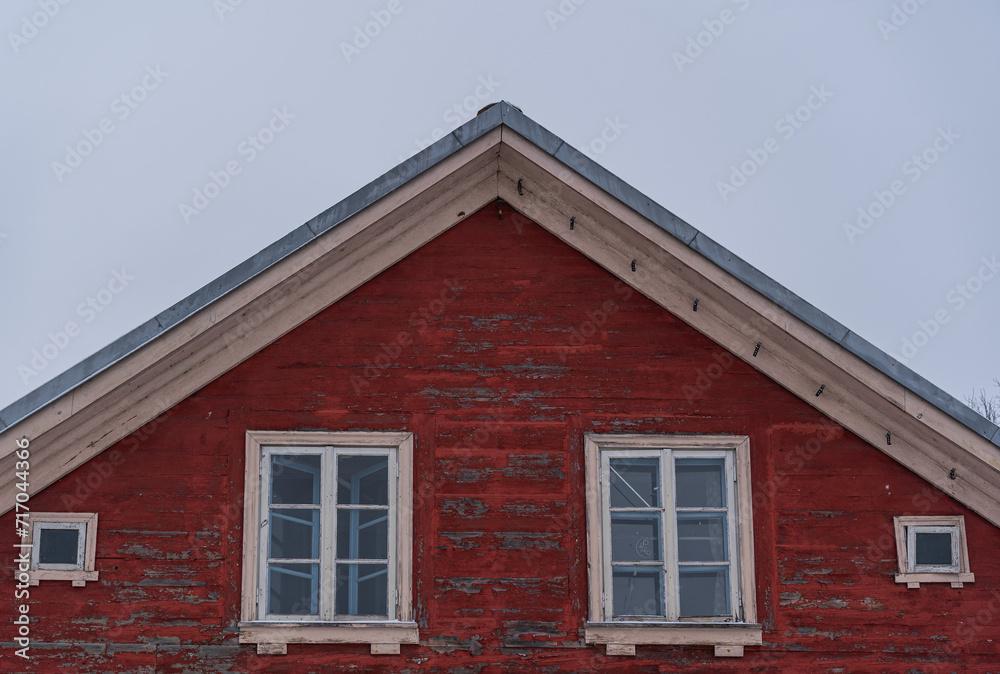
847 149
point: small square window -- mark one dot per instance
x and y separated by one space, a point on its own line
932 550
63 547
60 545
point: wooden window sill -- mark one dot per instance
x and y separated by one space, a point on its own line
913 580
622 637
272 637
79 578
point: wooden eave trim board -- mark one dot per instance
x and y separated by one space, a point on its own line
295 290
517 155
794 354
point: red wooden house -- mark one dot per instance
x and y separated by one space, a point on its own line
498 411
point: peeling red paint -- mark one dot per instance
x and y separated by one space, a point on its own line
498 401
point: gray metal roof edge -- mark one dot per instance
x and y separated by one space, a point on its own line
502 113
104 358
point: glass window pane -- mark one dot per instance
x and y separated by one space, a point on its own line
362 589
637 590
933 549
294 533
700 483
704 591
635 483
701 537
293 589
363 480
58 546
635 537
362 534
295 478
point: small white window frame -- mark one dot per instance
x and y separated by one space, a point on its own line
906 528
272 633
84 569
728 636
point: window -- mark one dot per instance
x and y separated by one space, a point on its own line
63 547
670 542
328 558
932 550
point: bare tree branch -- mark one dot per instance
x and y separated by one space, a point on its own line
986 405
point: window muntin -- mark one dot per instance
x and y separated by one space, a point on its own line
329 532
668 552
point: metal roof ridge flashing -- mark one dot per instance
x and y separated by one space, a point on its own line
484 122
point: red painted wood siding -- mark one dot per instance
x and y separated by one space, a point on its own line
499 346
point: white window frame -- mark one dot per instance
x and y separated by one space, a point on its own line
272 632
84 568
907 526
727 634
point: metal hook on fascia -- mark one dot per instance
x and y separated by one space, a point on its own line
888 437
756 349
695 306
821 387
520 190
633 265
572 223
